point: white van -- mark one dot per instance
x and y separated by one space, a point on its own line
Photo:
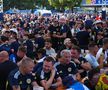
44 13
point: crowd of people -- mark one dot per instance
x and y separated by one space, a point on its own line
62 52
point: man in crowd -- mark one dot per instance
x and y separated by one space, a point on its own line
22 78
6 66
48 47
81 63
21 53
91 56
66 67
47 75
5 44
102 54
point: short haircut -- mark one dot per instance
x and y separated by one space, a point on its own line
4 38
64 51
12 32
92 44
26 61
7 32
4 54
50 59
105 40
77 48
48 40
42 51
22 48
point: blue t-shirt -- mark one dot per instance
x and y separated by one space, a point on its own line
78 86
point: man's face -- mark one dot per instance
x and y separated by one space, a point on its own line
47 66
74 53
95 48
66 58
69 44
47 45
20 54
7 34
28 69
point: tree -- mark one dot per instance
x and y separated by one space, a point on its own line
20 4
31 4
42 3
57 4
73 3
62 4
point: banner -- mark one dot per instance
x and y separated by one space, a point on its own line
88 1
94 2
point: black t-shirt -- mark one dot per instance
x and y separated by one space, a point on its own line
66 70
18 59
55 41
29 45
83 39
15 46
82 60
41 75
5 68
52 28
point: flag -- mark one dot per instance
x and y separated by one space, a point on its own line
93 1
88 1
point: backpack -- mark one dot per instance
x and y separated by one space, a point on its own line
102 83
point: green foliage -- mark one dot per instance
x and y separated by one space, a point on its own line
62 4
31 4
20 4
42 3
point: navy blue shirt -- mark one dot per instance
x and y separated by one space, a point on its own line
5 47
66 70
14 45
41 75
38 65
81 60
17 79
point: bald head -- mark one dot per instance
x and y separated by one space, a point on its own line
4 56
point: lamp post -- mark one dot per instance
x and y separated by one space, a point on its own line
1 6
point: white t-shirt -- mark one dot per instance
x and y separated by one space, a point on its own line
51 52
100 51
92 60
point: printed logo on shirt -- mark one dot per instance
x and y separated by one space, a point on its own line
69 69
20 82
28 81
60 72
